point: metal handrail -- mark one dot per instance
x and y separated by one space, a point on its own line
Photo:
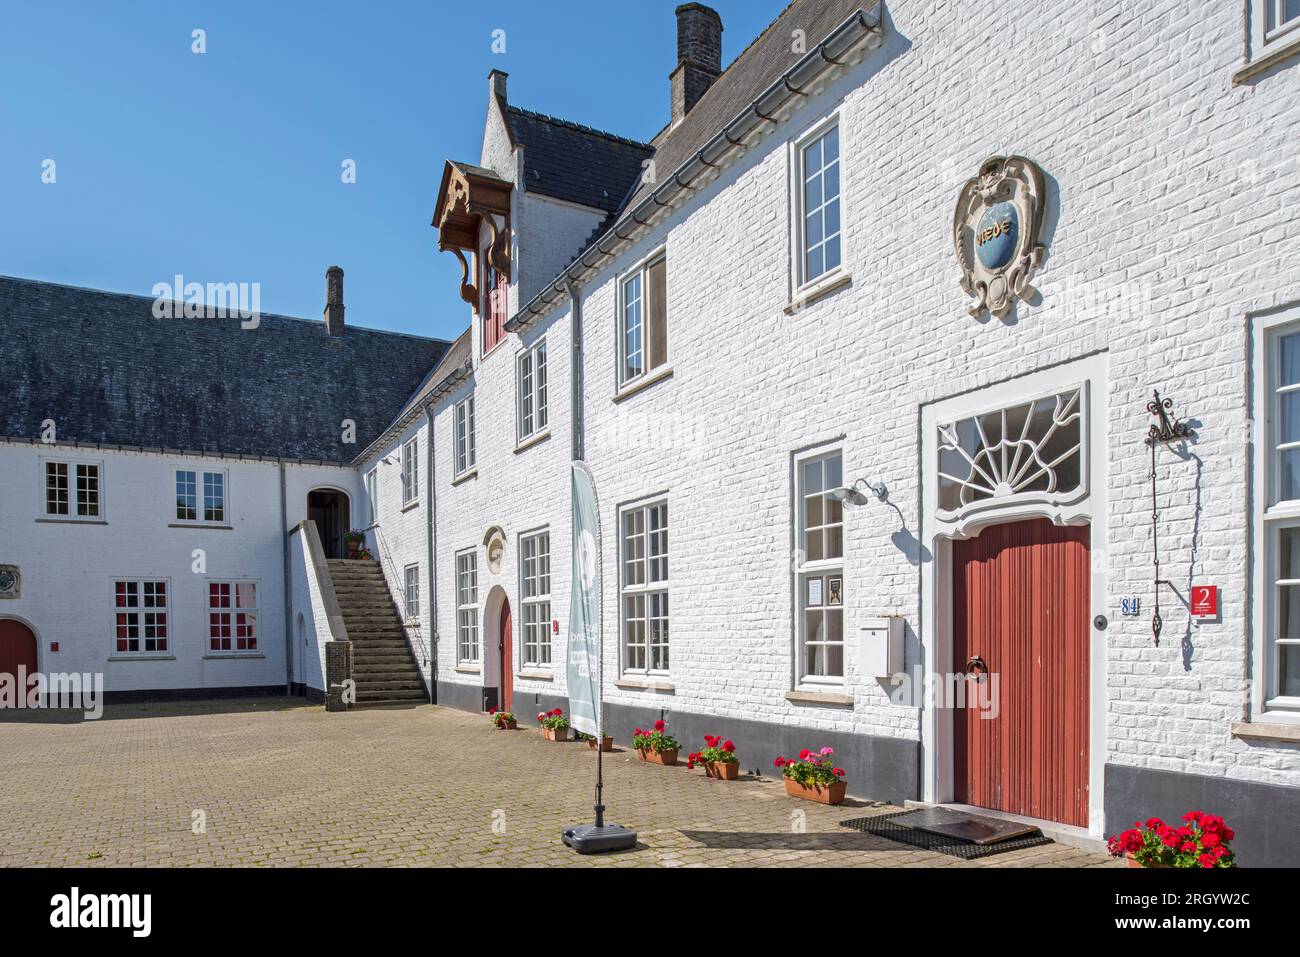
388 566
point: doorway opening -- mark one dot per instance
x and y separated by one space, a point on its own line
329 509
17 649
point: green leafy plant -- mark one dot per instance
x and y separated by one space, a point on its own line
364 554
715 751
813 769
552 720
354 535
500 718
657 739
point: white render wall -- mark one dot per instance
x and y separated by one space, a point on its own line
1168 223
68 568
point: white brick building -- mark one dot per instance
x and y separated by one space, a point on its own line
765 304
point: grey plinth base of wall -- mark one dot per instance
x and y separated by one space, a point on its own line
879 769
338 674
1263 815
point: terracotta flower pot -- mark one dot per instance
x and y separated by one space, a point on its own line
666 758
556 734
606 743
1134 862
354 546
831 794
723 770
507 725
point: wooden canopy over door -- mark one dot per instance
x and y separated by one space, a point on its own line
1021 602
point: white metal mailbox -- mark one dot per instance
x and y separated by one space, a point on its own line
880 647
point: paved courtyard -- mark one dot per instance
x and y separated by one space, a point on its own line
276 783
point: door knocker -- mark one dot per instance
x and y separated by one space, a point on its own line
976 668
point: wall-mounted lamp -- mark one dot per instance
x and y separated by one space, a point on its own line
389 460
853 494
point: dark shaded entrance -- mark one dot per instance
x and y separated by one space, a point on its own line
17 650
329 509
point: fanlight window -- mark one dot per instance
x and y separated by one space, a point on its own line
1030 450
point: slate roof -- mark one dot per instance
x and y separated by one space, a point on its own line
757 67
107 372
576 163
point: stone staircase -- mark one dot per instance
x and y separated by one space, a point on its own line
382 664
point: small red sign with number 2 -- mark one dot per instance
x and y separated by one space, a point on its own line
1205 601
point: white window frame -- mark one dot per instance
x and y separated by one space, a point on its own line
201 485
1271 517
73 490
532 381
372 494
535 597
411 593
822 569
1281 39
234 651
640 272
644 591
138 611
411 471
462 428
802 283
469 643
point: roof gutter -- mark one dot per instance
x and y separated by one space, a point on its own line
845 47
444 387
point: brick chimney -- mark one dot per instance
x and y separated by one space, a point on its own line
334 300
497 84
699 56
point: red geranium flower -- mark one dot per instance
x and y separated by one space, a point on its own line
727 745
838 772
659 725
1207 860
778 763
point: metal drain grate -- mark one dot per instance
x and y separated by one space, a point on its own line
888 826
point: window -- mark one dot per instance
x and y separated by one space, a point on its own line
411 574
232 617
190 485
1274 29
410 471
464 416
819 206
496 305
643 325
644 587
820 569
1281 659
372 494
140 617
72 489
532 391
467 606
535 552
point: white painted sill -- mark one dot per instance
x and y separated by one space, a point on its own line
806 696
645 382
534 439
413 503
817 289
468 669
228 655
141 657
56 520
213 526
465 476
642 683
535 675
1268 59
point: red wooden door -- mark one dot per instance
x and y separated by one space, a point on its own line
1021 603
507 659
17 647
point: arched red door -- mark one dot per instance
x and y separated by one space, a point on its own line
507 658
17 649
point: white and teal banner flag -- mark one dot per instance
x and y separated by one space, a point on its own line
582 669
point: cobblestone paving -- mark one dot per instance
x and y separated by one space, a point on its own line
283 784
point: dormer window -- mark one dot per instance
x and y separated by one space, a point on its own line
473 218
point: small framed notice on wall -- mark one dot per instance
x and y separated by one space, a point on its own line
1205 601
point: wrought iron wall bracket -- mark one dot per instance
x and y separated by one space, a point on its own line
1167 428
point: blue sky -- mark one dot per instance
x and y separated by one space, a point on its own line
225 166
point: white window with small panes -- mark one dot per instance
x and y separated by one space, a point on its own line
467 622
463 421
532 379
643 587
535 589
819 572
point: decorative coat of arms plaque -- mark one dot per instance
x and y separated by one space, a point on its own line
995 232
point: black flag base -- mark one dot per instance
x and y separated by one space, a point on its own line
597 838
